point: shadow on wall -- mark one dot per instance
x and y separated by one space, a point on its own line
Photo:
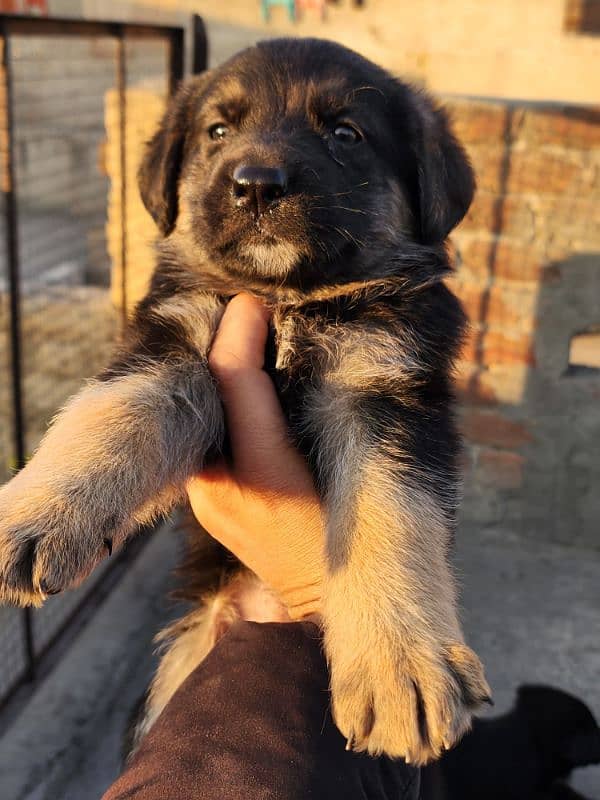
528 257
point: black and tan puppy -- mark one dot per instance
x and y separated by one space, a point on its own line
526 754
305 174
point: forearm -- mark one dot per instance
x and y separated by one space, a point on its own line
253 721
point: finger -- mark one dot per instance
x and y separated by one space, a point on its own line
213 495
241 336
256 424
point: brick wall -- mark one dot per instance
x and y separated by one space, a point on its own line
528 273
144 110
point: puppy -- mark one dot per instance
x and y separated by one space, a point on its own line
526 754
304 174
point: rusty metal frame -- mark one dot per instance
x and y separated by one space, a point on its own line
11 24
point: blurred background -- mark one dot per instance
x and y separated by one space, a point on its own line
82 85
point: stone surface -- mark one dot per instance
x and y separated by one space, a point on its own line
531 611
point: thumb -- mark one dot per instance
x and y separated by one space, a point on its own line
256 424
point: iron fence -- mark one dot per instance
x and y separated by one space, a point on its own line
67 90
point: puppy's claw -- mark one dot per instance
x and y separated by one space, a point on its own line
350 742
45 588
109 546
489 700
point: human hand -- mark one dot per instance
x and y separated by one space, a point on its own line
263 507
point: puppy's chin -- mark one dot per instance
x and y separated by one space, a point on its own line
276 260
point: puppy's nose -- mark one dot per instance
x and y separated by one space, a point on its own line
256 188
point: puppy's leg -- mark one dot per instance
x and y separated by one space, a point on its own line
403 682
115 457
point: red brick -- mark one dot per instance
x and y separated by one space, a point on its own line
564 126
525 171
472 387
497 213
570 219
543 172
503 259
500 306
479 123
500 469
491 428
490 164
494 347
470 295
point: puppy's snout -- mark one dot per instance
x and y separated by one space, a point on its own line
256 188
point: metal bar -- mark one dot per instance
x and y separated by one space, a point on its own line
15 24
176 56
122 89
199 45
65 26
12 255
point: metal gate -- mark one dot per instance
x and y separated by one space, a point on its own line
65 93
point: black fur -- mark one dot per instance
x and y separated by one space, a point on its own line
408 145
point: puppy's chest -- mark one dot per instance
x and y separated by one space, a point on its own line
306 350
295 350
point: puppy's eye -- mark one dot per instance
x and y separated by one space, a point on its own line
218 131
347 134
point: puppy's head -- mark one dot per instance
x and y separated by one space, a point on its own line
297 160
566 733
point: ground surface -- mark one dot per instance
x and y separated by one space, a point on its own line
533 614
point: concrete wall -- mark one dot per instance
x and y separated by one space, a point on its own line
512 49
528 273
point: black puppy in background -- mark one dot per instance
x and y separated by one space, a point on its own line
526 754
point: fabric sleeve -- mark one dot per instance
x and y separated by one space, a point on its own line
253 721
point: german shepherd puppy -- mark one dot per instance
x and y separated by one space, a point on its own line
302 173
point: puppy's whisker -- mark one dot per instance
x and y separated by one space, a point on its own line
343 208
348 236
340 194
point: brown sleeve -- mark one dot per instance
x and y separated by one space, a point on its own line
253 721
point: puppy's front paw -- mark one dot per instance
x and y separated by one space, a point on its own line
404 696
50 535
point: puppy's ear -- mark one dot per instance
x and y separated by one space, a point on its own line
446 182
158 174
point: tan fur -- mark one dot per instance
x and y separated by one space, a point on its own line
403 682
95 429
190 640
106 465
277 259
401 676
195 314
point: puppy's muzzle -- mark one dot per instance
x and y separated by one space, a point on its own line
257 188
